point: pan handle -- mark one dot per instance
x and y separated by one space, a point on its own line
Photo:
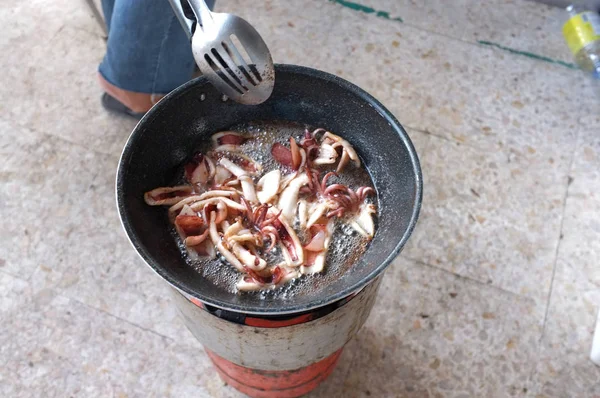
187 23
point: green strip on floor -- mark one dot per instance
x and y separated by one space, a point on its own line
528 54
367 10
386 15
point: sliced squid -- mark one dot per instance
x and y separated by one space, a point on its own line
316 249
218 242
185 211
290 245
241 160
315 263
197 246
222 175
230 138
243 176
363 222
247 284
288 201
293 157
248 259
282 276
303 213
223 210
327 155
348 152
199 198
196 240
230 203
317 211
245 257
168 195
200 170
268 186
191 224
285 181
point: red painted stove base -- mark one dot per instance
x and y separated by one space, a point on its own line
271 383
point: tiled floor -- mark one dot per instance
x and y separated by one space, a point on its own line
496 294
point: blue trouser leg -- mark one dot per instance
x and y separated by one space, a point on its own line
147 50
107 9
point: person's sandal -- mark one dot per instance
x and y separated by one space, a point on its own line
112 104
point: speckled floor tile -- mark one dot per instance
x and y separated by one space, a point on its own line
43 180
22 46
564 368
433 334
580 239
420 140
41 372
493 217
496 132
103 271
50 75
520 25
73 240
587 156
13 293
582 212
55 13
114 278
293 36
436 16
469 93
52 356
332 386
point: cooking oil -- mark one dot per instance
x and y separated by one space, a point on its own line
346 246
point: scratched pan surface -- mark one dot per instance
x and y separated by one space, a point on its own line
166 137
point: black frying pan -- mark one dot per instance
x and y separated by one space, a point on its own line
167 136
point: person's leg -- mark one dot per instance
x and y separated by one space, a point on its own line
148 53
107 10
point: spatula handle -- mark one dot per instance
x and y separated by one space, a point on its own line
203 14
186 23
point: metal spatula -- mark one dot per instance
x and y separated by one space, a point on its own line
229 52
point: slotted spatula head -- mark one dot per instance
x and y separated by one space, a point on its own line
232 55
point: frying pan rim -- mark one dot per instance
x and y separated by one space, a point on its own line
285 309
